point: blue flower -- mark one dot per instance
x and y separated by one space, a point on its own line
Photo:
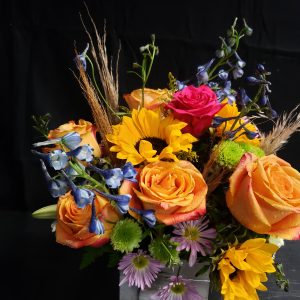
56 187
82 196
112 177
121 201
81 58
147 215
129 172
237 73
56 159
223 75
180 85
96 226
71 140
242 97
84 152
202 74
226 92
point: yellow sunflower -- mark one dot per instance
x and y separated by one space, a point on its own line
146 136
243 269
231 110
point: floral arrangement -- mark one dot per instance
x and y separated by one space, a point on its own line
181 173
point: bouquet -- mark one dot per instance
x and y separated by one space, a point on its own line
184 173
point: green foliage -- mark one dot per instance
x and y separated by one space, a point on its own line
41 124
91 254
164 250
281 280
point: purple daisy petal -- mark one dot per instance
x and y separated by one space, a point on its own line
194 236
139 269
177 289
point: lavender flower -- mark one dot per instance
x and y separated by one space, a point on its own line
139 269
177 289
194 236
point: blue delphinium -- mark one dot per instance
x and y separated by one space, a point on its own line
129 172
57 159
112 177
71 140
81 58
202 72
147 215
56 187
96 226
82 196
84 152
121 201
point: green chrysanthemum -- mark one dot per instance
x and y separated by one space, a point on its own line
252 149
164 250
126 235
229 154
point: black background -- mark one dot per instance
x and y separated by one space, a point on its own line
37 51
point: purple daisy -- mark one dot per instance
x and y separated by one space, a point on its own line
194 236
139 269
177 289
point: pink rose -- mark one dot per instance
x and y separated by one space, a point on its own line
196 106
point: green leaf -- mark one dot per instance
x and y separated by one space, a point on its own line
91 254
41 123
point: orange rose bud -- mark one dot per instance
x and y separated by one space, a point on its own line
72 228
176 191
264 196
86 130
152 98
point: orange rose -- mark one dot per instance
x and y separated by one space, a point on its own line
264 196
86 130
176 191
72 228
152 98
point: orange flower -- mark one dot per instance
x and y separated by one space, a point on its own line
264 196
72 228
176 191
86 130
152 98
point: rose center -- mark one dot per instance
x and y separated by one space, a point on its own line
282 184
157 144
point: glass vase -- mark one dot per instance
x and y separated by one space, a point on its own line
201 283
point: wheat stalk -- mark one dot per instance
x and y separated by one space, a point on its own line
284 127
109 81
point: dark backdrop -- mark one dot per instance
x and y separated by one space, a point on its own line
37 51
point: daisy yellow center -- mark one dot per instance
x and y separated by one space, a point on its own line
191 233
178 288
140 262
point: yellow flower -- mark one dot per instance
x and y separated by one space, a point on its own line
243 269
147 136
231 110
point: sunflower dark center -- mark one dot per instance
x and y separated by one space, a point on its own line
157 144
